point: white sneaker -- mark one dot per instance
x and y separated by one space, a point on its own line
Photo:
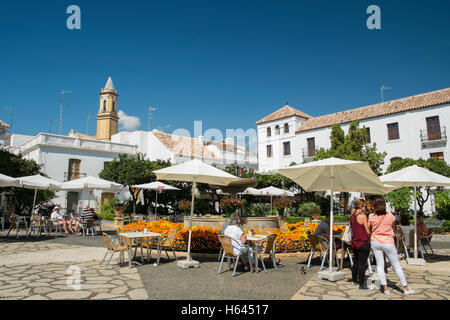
387 292
407 292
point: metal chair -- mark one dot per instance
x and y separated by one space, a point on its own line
425 240
410 244
166 241
87 225
228 252
269 249
126 220
113 246
37 224
126 241
16 222
318 246
369 266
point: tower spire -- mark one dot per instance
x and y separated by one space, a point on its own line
109 84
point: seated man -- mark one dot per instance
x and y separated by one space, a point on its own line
238 237
58 218
323 230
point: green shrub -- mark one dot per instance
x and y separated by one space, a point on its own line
308 209
442 200
107 209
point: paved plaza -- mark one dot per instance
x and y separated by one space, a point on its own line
45 268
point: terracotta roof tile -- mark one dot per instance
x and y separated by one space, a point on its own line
184 146
286 111
419 101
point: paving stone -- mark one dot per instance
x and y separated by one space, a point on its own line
104 296
138 294
133 276
331 297
134 284
119 290
36 297
43 290
64 295
14 293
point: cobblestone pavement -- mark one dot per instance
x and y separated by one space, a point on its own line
429 282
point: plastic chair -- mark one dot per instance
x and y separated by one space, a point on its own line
113 246
16 222
228 252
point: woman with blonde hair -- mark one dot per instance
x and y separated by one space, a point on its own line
360 243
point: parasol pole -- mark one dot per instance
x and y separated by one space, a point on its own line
189 258
415 222
34 201
156 202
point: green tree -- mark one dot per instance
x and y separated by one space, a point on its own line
352 146
16 166
423 193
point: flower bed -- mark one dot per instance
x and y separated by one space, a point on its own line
204 239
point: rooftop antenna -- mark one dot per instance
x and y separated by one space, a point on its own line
61 103
150 109
11 109
51 123
87 124
382 90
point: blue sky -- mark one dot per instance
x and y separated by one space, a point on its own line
227 63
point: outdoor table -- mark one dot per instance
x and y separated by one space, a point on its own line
141 235
254 239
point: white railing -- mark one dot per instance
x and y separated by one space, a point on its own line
74 142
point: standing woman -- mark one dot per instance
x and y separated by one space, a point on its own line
360 243
382 241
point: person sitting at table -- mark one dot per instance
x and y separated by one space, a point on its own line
421 226
382 224
58 218
227 223
235 232
360 243
323 230
74 220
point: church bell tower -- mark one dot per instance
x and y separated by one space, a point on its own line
107 117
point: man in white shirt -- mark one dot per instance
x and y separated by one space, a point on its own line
58 218
238 237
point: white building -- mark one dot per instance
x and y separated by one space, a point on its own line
156 145
412 127
65 158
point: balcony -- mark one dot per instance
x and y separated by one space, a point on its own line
308 157
433 138
73 175
74 143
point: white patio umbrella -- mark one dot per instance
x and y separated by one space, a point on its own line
37 182
7 181
90 183
252 192
335 175
157 186
415 176
194 171
273 191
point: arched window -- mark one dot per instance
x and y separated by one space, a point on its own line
277 129
104 105
286 128
113 106
269 132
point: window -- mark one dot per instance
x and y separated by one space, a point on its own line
277 129
74 169
269 132
286 128
367 135
437 155
287 148
311 147
113 106
269 151
393 131
433 128
104 105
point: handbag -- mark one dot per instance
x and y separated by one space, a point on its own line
347 235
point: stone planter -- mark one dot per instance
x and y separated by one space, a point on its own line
215 222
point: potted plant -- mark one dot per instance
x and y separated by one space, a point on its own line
310 209
185 205
282 204
231 205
